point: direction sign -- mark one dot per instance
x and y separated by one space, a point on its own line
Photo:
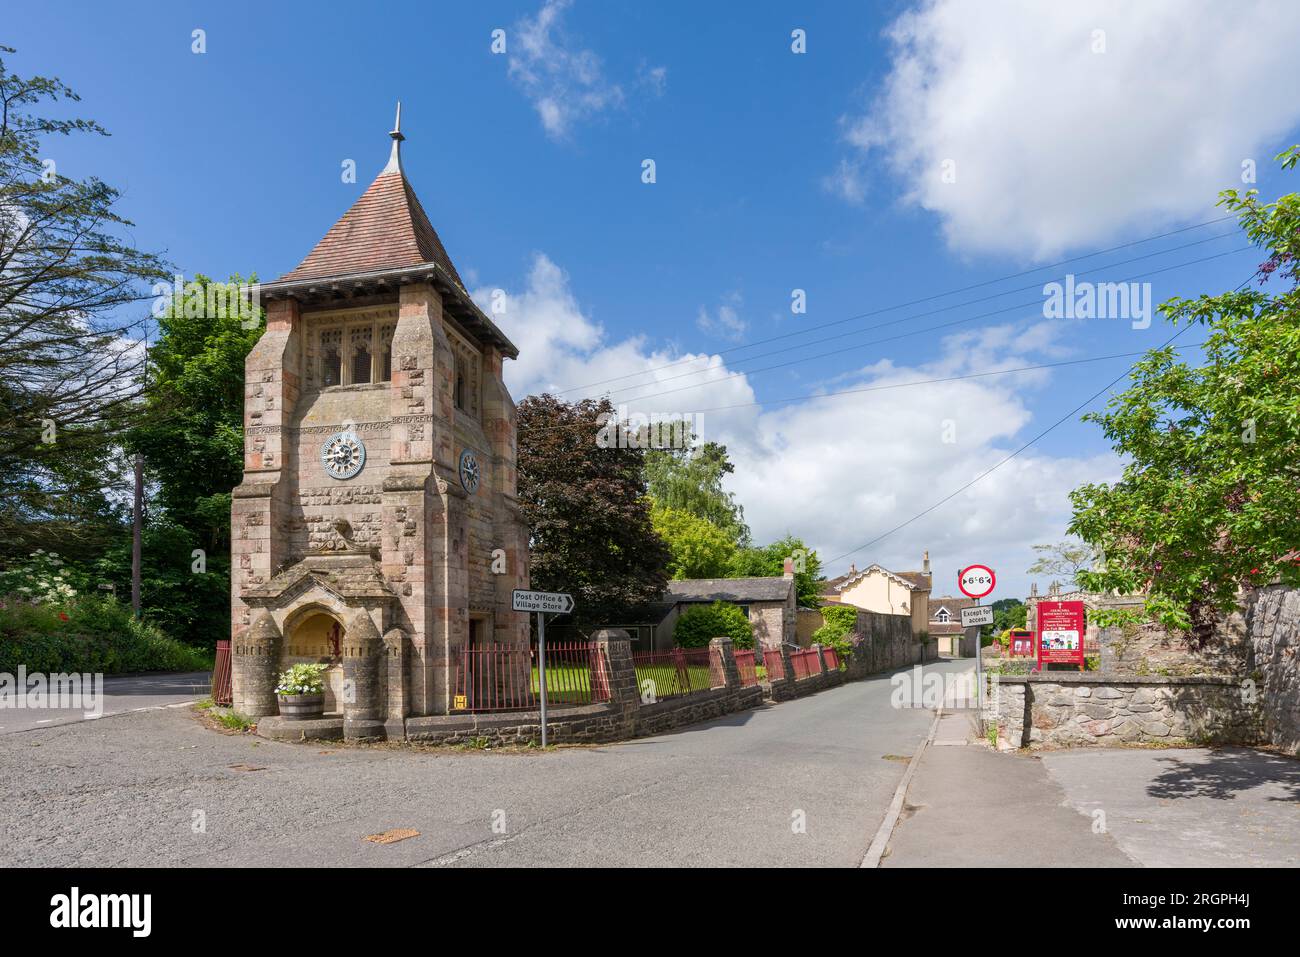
976 581
979 615
557 603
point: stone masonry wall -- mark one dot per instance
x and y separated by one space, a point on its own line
1273 623
885 642
1064 709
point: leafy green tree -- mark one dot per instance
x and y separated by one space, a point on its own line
193 437
840 621
700 624
585 504
1207 502
699 548
70 331
769 560
690 480
1063 560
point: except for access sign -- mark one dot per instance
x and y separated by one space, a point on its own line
976 581
557 603
979 615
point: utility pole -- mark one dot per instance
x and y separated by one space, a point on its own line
137 528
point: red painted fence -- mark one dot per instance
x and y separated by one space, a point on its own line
222 693
831 658
496 677
681 671
805 663
774 664
748 672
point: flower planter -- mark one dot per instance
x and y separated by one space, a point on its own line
300 707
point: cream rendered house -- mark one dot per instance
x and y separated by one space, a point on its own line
876 588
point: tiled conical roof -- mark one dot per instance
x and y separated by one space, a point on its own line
386 228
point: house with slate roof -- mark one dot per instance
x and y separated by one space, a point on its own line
876 588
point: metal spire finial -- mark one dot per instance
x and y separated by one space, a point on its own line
395 157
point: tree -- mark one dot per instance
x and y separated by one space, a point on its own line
1063 560
769 560
699 549
700 624
690 480
839 624
1207 502
586 506
70 351
1007 613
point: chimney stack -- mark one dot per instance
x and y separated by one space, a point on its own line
789 568
925 562
853 568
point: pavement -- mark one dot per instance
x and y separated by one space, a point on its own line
804 783
970 806
121 695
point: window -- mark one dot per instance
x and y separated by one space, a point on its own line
465 372
943 616
459 395
355 353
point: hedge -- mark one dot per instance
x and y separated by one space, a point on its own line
700 624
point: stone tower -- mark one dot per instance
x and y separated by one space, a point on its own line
376 527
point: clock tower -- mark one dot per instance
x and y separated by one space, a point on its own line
376 528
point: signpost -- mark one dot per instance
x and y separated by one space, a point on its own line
979 615
542 602
977 581
1061 628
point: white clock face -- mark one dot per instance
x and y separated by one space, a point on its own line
343 455
469 471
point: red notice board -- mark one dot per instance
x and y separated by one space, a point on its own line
1060 633
1021 643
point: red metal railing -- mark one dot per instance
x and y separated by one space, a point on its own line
748 672
831 658
506 678
774 664
222 692
805 663
682 671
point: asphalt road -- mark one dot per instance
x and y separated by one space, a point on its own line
132 693
158 788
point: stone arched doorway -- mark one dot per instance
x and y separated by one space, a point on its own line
313 635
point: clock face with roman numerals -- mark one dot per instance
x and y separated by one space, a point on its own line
470 476
343 455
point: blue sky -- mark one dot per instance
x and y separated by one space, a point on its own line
775 171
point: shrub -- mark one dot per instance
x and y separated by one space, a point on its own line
700 624
840 622
87 634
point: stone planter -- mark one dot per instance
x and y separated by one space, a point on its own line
301 707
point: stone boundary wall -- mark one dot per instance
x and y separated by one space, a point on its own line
1065 709
790 687
623 716
1272 622
885 643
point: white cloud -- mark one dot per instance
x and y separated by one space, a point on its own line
565 84
724 322
840 470
1056 146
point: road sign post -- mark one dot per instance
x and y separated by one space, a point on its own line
977 581
541 602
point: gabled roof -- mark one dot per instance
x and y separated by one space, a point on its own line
913 581
386 228
954 604
730 589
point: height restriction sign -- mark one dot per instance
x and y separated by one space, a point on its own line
976 581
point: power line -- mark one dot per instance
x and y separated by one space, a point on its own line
883 388
905 335
914 302
1086 402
